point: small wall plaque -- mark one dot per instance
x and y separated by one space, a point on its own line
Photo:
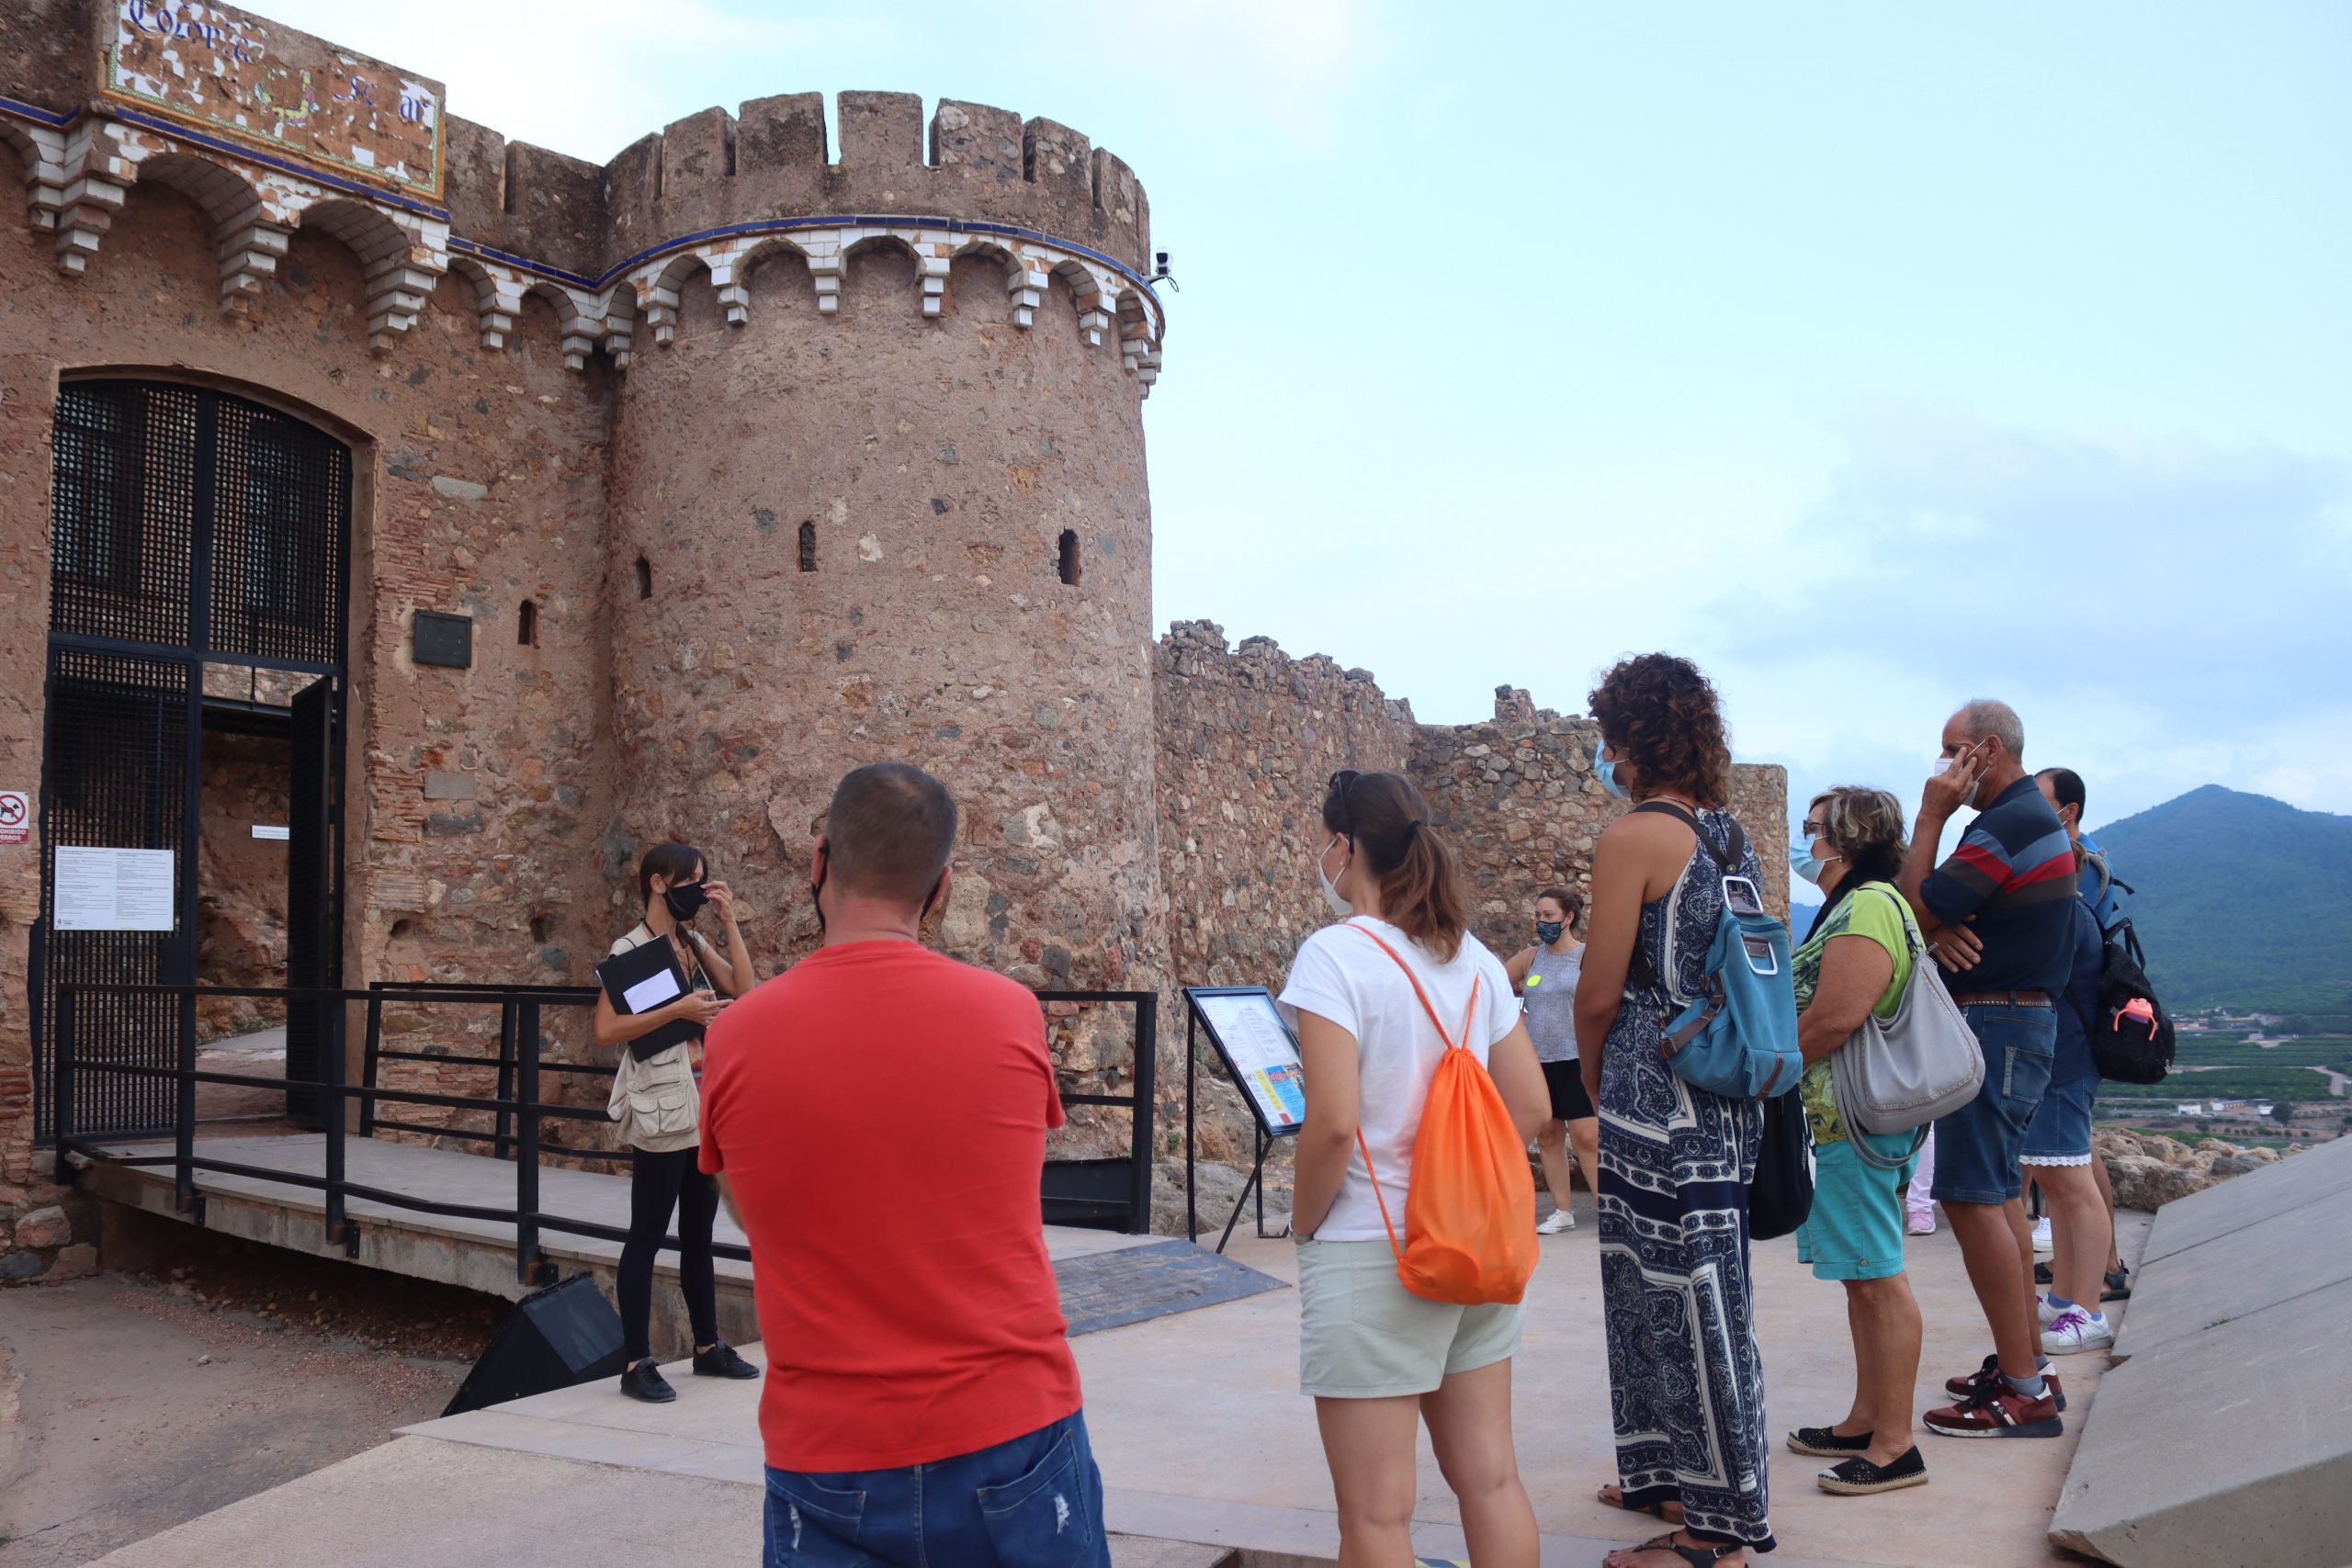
443 640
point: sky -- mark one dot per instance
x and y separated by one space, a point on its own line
1876 357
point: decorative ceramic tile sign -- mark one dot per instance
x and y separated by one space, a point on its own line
228 74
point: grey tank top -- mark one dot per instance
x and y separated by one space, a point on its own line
1550 993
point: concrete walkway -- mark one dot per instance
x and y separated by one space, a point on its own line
1202 1439
476 1254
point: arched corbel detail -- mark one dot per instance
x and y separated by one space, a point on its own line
498 296
96 178
401 257
42 152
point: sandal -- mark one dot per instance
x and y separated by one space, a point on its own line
1697 1556
1657 1510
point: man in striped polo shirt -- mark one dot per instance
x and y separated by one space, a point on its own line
2005 896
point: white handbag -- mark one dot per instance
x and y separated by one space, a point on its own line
1921 1063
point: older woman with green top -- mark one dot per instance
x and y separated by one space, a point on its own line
1855 963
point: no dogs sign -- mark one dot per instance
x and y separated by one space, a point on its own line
15 817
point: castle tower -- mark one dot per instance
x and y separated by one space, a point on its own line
877 490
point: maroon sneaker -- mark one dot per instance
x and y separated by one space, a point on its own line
1998 1411
1962 1387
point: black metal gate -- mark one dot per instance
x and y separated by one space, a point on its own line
198 549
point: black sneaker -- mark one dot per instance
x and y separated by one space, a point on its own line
2042 1276
1990 1372
645 1382
1823 1443
2119 1285
721 1361
1858 1477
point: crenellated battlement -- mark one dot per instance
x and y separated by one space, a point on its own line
610 247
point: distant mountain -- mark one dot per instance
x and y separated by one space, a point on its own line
2241 900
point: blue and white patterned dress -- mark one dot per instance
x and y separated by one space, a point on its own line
1686 1381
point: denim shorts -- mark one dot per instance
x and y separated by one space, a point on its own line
1855 1228
2060 1133
1978 1146
1034 1502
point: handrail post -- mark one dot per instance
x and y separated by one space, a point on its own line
1191 1081
526 1145
1146 1127
183 1120
64 1104
371 1061
503 1127
331 1059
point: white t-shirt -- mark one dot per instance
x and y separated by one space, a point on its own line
1343 975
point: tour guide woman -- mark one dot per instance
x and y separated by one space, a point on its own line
1855 961
1379 1360
1545 978
659 1108
1686 1381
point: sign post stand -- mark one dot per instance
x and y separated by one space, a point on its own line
1261 1053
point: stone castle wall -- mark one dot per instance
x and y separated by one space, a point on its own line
1248 738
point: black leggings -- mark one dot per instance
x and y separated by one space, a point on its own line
658 1183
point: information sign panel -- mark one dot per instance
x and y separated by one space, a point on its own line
1257 1049
112 890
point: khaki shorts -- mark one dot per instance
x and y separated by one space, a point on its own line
1361 1334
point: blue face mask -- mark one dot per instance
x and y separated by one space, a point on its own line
1803 863
1604 767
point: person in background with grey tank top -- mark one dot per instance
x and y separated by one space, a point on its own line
1545 978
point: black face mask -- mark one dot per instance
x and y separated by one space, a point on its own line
686 900
817 887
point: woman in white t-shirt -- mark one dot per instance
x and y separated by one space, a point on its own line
1377 1359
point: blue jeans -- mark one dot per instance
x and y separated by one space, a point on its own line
1036 1502
1977 1146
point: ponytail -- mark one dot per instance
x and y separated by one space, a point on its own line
1388 821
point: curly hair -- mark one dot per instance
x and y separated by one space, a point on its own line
1660 713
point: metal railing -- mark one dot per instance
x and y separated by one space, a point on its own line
517 1108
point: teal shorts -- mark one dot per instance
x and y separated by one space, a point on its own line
1855 1231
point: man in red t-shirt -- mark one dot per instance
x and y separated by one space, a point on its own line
877 1116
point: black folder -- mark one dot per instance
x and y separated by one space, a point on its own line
642 963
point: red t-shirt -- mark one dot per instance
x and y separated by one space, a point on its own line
879 1113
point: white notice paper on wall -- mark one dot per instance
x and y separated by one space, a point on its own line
264 831
651 991
112 890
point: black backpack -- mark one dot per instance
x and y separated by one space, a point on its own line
2131 1035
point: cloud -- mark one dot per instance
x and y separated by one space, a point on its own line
2164 613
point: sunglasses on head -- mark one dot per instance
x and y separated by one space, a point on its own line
1339 784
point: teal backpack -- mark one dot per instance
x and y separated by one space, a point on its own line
1738 1037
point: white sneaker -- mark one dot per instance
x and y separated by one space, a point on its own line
1923 1224
2048 1313
2076 1330
2043 1243
1558 1219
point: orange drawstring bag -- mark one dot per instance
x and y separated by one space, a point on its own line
1470 1204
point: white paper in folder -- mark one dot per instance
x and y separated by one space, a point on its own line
651 991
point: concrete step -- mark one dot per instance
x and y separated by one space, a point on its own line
1142 1551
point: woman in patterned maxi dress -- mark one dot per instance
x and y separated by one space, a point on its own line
1686 1379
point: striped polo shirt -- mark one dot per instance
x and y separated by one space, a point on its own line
2015 871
